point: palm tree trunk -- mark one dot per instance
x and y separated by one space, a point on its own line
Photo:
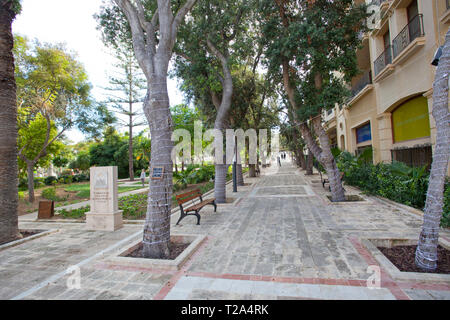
426 253
8 131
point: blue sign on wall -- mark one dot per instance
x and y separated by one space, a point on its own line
363 133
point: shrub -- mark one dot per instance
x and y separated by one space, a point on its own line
67 179
23 183
445 221
50 194
134 206
74 213
49 180
80 177
395 181
38 182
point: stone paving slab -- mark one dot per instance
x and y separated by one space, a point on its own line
287 243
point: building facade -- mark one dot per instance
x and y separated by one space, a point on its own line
391 99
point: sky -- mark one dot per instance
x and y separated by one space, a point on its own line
72 22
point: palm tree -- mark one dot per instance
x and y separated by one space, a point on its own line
9 229
426 253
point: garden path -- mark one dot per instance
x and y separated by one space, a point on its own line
280 238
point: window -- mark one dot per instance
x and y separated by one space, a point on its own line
386 57
413 10
387 40
363 133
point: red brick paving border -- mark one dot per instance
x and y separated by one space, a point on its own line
183 271
395 287
386 280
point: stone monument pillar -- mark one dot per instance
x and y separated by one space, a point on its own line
105 214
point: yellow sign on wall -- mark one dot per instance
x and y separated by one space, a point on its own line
411 120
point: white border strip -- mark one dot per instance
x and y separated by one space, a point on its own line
23 240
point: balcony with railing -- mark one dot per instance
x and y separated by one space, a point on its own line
365 80
412 31
383 61
378 2
360 87
445 18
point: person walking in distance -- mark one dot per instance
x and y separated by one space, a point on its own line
279 161
143 177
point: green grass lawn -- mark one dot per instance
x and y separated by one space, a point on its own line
133 206
84 190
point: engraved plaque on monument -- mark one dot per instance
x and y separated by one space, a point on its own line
105 214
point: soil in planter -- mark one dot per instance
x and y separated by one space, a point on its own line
25 234
349 198
175 249
403 257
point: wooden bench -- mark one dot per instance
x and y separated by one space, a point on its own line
324 181
195 208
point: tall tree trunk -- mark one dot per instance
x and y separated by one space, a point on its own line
323 153
221 122
329 163
156 237
240 175
252 170
309 163
324 156
302 160
130 148
251 167
239 172
426 253
154 62
30 180
220 180
8 131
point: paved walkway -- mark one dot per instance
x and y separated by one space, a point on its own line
280 239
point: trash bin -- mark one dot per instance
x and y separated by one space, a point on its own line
46 209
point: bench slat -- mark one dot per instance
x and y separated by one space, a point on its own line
184 200
199 205
185 197
188 193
